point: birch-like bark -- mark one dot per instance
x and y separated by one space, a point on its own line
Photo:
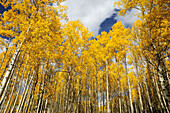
124 101
79 96
17 74
147 91
7 85
6 65
20 84
99 94
138 86
119 89
10 95
2 107
30 100
7 74
11 66
41 97
25 95
18 110
150 69
165 89
60 101
160 98
162 75
46 102
67 92
129 88
107 87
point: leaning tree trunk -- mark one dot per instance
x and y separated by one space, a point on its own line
18 110
24 98
19 88
10 68
31 97
156 86
41 98
163 75
10 95
165 88
7 85
6 66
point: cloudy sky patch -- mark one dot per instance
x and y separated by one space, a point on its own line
129 18
93 12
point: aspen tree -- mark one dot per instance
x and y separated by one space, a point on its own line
153 35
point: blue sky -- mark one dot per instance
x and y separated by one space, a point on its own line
97 15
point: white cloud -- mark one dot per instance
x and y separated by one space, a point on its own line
90 12
129 18
93 12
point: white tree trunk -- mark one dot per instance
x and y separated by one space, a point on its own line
138 86
6 88
22 96
25 95
6 65
19 88
10 95
7 74
129 88
147 91
107 87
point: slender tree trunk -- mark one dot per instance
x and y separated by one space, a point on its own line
10 95
103 92
129 88
119 89
161 100
46 102
7 85
60 101
99 94
147 91
124 101
138 86
7 74
67 94
107 87
16 76
41 99
162 74
12 101
6 65
20 84
156 86
2 107
165 90
31 99
28 98
23 94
